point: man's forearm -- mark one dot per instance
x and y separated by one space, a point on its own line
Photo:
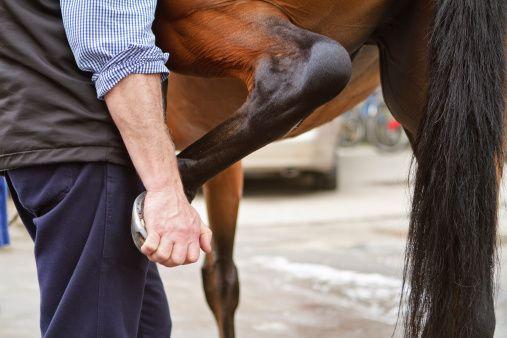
175 229
135 104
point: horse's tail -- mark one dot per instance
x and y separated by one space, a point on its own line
451 256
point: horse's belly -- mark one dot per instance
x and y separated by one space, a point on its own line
350 22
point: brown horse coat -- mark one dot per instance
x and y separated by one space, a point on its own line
233 93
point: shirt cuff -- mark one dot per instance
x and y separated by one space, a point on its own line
134 60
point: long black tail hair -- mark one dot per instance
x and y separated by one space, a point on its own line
450 262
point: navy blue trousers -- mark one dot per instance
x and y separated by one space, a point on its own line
93 281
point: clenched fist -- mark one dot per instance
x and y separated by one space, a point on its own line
176 233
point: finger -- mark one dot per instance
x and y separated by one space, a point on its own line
178 254
163 251
169 263
150 244
193 253
205 238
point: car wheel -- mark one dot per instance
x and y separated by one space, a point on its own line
326 180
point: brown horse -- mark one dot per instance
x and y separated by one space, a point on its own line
254 71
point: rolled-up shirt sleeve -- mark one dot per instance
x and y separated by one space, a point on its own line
113 39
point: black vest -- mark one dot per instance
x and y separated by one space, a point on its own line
48 108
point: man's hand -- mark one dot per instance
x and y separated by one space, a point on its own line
175 230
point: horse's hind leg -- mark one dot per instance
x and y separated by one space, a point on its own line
289 72
220 277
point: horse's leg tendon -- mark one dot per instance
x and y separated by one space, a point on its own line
220 277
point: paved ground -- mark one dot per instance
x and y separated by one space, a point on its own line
312 264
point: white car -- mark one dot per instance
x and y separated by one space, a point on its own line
313 153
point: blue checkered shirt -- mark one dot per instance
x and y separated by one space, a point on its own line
113 39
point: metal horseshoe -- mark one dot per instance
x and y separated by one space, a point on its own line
137 227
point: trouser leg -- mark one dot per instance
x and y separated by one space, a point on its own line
155 315
92 279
